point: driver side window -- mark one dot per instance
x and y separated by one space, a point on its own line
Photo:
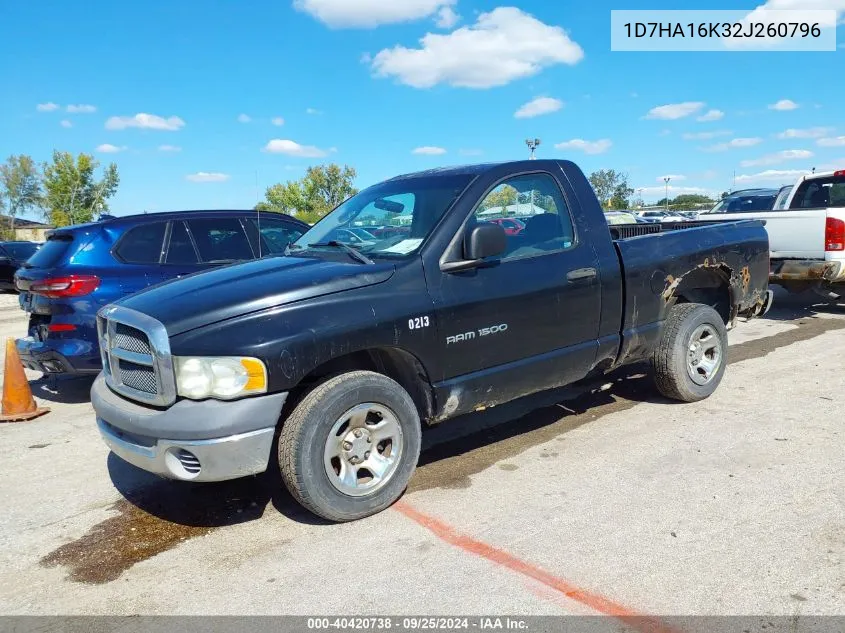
533 213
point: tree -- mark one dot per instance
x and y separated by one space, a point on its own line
502 196
621 198
321 189
72 195
611 188
691 199
21 187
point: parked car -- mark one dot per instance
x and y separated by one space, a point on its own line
359 346
745 201
651 215
782 198
512 226
806 232
619 217
12 257
82 268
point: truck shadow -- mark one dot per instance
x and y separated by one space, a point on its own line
63 389
155 515
794 307
239 501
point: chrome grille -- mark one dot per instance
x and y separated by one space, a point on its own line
140 377
136 356
131 339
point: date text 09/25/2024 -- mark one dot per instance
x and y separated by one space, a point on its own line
424 623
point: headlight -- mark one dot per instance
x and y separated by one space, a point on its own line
226 378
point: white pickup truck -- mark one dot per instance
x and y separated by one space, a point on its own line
806 230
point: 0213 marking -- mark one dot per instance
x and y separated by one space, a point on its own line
418 323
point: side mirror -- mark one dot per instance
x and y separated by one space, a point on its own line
481 242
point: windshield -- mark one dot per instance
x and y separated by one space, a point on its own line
21 251
391 219
745 204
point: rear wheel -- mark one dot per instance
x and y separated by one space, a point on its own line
350 446
690 359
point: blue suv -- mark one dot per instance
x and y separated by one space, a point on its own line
82 268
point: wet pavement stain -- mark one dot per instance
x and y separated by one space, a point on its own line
155 519
111 547
159 515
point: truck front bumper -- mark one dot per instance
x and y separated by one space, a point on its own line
206 440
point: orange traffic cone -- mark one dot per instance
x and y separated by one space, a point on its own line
18 403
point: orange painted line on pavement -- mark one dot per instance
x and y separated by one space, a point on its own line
594 601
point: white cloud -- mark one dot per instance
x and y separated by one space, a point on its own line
169 148
145 121
313 111
244 118
673 111
503 45
835 165
796 5
340 14
784 105
447 18
705 136
778 157
538 106
470 152
205 176
429 150
277 121
588 147
82 108
108 148
838 141
772 175
735 144
47 107
675 177
711 115
65 123
813 132
292 148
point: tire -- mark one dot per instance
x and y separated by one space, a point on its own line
680 372
370 403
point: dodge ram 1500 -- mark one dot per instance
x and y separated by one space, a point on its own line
332 358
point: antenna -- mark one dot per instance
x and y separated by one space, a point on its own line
259 215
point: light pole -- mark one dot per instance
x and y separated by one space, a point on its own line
640 195
532 144
666 180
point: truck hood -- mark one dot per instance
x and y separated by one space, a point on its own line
216 295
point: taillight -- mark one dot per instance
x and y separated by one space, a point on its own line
839 174
70 286
834 235
61 327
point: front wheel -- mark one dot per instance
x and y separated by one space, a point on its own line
692 353
350 446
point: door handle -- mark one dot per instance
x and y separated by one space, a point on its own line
581 274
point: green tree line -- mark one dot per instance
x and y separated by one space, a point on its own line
65 190
310 198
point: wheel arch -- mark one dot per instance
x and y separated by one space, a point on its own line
396 363
708 285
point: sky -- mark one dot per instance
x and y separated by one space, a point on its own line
205 104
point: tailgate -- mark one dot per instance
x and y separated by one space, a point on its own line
796 234
793 234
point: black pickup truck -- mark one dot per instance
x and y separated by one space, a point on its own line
336 355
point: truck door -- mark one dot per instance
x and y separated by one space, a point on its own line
533 316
